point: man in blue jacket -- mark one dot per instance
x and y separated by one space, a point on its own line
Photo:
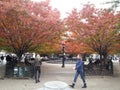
79 71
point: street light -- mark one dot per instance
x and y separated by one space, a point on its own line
63 58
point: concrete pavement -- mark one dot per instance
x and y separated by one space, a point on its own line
54 72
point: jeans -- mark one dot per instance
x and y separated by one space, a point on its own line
82 75
37 73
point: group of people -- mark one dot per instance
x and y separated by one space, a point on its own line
12 61
36 62
79 70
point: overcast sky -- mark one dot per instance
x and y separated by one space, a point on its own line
67 5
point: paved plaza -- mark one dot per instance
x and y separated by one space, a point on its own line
54 72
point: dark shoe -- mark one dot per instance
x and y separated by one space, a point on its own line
72 86
85 86
38 80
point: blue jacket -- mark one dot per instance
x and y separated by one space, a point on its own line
79 66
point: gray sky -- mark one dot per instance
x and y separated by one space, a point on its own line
67 5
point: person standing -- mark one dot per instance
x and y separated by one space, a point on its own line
37 68
2 57
79 71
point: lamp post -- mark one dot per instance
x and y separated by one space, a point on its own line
63 57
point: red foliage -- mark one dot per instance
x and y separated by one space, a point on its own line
24 25
96 28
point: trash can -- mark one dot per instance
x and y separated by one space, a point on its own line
22 71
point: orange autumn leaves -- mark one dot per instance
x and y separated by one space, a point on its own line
95 29
25 26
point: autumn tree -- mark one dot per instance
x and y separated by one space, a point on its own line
97 28
25 25
115 4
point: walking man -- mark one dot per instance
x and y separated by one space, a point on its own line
79 71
